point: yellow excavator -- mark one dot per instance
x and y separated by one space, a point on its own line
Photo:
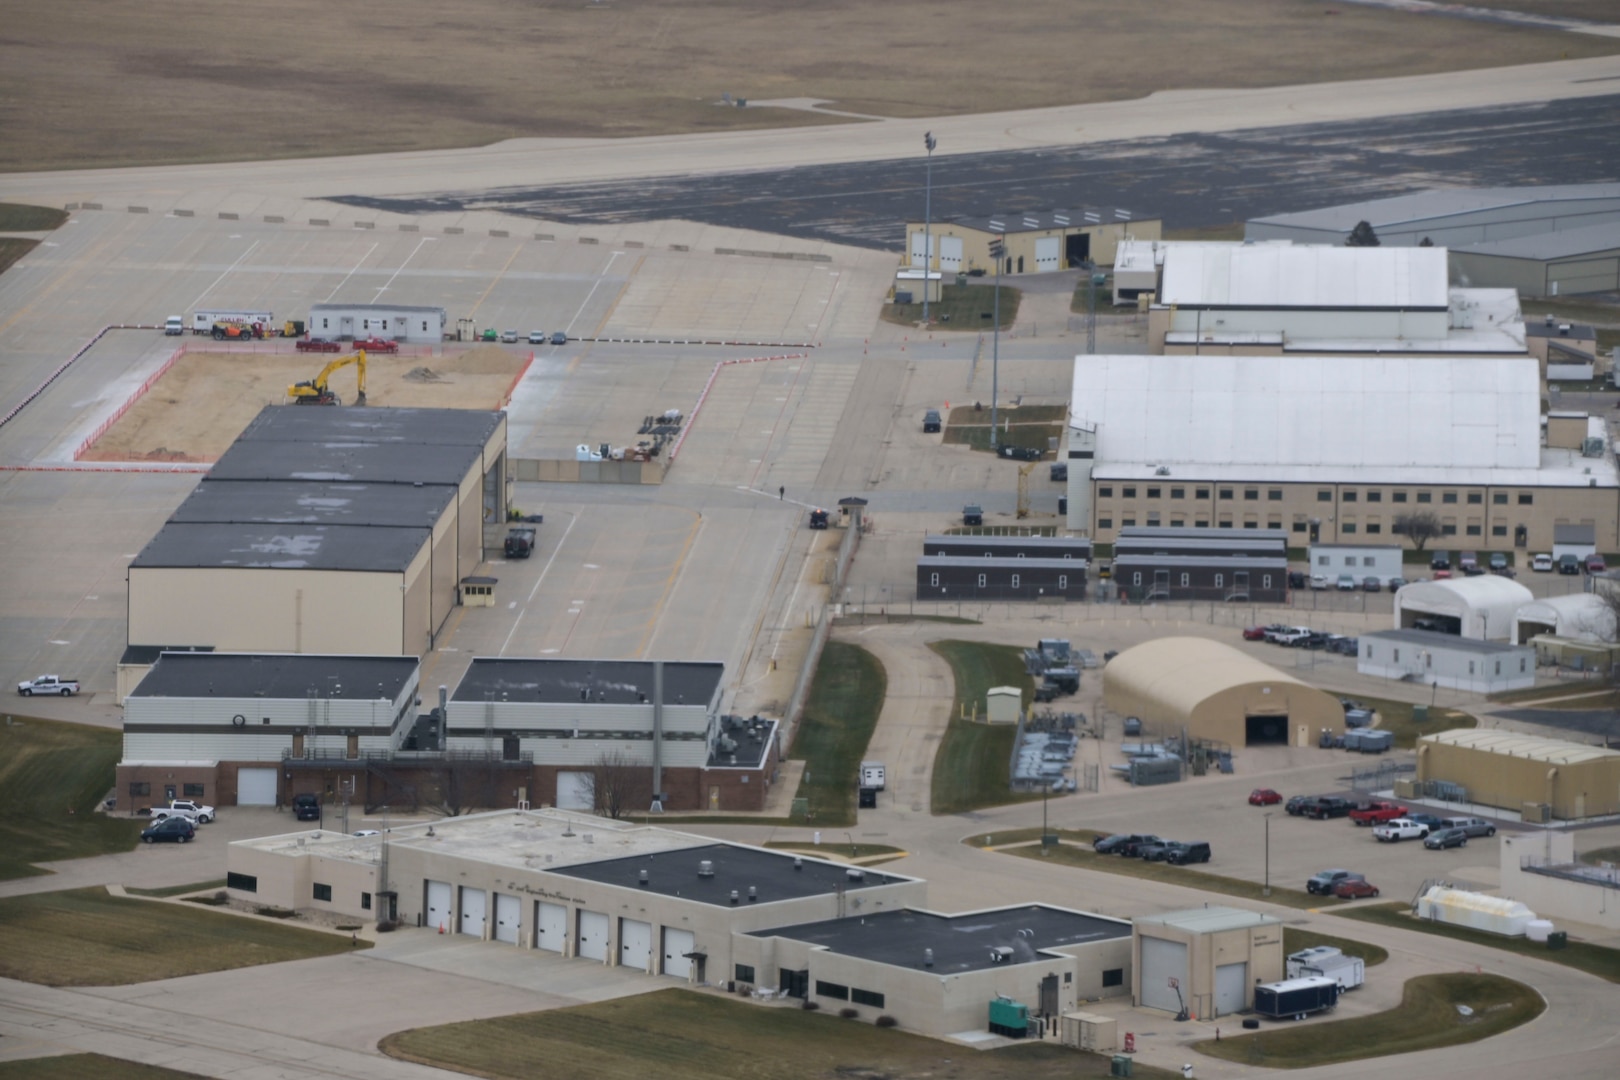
316 392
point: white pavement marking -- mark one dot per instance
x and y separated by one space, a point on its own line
408 258
569 329
572 518
350 274
223 274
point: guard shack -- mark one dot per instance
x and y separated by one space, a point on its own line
478 591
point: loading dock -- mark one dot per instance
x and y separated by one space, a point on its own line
635 944
508 918
474 911
551 922
593 935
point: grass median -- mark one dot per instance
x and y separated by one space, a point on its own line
960 307
79 1066
1596 960
86 937
971 766
1430 1016
846 697
1396 717
53 777
683 1035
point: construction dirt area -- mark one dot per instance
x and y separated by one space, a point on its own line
198 407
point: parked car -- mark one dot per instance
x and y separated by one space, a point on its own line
1322 883
1319 582
1190 852
1446 838
203 814
1295 806
559 337
1254 633
1271 632
1393 832
177 829
1354 888
1440 560
972 515
1154 852
306 808
1377 812
1348 646
509 336
1542 564
1296 579
1473 826
1347 583
1442 575
1126 843
1293 636
1594 564
1371 584
1429 821
1396 584
1264 796
1569 564
1468 560
537 337
931 421
1498 562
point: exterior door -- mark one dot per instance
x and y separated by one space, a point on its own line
438 905
635 944
1049 996
593 935
551 925
508 914
1231 981
256 787
950 253
474 911
677 944
575 791
1048 254
1162 961
918 239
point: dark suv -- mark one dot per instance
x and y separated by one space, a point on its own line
1326 806
1188 852
306 808
1125 843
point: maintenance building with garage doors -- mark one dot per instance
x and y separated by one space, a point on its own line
223 727
1481 607
1036 242
1541 779
328 534
1212 691
643 727
1206 961
1432 658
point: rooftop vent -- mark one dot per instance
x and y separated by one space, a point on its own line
1000 954
733 897
855 873
642 878
798 863
753 895
928 958
705 868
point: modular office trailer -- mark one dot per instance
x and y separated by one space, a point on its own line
1296 998
943 577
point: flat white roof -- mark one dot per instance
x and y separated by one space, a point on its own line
1209 920
1133 255
1314 276
1299 418
1533 747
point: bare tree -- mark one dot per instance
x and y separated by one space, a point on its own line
618 785
1362 236
1420 527
464 784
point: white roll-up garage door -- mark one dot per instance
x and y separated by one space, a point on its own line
255 787
575 791
1231 980
593 935
635 944
677 943
473 911
551 922
1162 961
1048 253
438 905
950 253
508 913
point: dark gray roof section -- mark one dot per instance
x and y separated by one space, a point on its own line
1443 203
381 309
1565 244
1558 350
1222 562
960 943
276 676
148 654
301 502
1433 639
991 543
1010 562
1558 329
771 875
1235 541
337 461
1574 534
436 427
1250 536
1044 220
286 547
618 682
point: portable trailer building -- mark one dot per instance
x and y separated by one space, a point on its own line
424 325
1235 578
1441 659
1381 561
956 577
1296 998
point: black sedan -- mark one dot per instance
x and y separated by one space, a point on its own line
177 829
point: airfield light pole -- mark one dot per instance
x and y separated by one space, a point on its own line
928 213
1267 890
998 251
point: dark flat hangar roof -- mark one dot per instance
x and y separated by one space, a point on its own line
772 875
609 681
284 547
960 942
339 461
283 676
437 427
303 502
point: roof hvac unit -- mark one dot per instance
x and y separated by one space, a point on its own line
1536 813
1592 448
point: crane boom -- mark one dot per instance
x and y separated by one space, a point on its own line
316 392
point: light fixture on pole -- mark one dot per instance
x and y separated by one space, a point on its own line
1266 889
1045 836
998 251
928 213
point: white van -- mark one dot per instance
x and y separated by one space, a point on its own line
174 326
1473 826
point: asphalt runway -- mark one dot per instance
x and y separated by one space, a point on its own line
1190 180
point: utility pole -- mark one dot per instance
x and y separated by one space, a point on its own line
998 251
928 213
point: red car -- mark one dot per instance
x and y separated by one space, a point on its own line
1264 796
1377 813
376 345
1352 889
1254 633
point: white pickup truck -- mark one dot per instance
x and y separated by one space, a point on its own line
48 684
194 812
1400 829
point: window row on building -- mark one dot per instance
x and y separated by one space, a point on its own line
1473 497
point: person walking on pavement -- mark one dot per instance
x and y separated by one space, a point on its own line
781 493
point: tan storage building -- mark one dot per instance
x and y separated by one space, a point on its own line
1205 961
1216 692
1036 242
1539 778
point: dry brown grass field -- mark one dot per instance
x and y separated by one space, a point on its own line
87 84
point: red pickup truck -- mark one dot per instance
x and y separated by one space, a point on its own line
376 345
318 345
1377 813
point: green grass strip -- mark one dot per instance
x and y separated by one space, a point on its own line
1599 960
846 698
972 762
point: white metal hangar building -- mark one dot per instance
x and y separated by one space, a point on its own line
326 530
1332 449
1451 217
1482 608
1213 691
